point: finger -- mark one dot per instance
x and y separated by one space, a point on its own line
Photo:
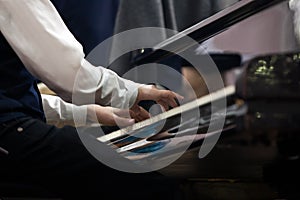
170 98
123 122
167 104
122 112
132 113
138 110
144 114
138 118
178 96
139 113
171 101
164 105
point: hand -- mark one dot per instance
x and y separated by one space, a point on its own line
165 98
110 116
138 113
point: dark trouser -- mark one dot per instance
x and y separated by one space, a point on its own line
56 159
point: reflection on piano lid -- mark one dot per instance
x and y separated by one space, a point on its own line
205 29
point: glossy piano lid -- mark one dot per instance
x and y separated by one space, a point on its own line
206 29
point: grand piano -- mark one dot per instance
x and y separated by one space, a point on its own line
258 157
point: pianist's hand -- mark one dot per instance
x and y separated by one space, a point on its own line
165 98
110 116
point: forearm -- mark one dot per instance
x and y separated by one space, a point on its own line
61 113
58 111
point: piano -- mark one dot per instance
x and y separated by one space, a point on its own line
257 153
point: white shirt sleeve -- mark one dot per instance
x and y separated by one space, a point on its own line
50 52
58 111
